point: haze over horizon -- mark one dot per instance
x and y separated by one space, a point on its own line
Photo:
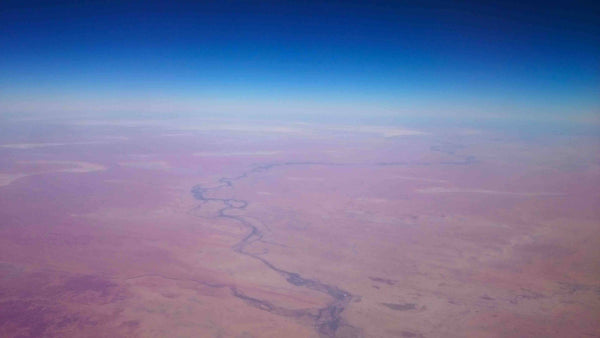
356 61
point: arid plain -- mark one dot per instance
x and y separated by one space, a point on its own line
225 229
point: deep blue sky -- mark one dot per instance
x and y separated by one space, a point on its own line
521 60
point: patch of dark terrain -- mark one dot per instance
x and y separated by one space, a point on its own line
447 148
303 314
404 333
410 334
383 280
86 283
466 160
571 288
400 307
526 294
452 150
328 320
486 297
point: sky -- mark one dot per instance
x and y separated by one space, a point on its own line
378 60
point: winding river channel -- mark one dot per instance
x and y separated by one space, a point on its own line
326 320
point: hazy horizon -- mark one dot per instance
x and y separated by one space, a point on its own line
382 61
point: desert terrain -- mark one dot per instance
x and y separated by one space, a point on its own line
231 229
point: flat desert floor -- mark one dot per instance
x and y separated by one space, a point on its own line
206 229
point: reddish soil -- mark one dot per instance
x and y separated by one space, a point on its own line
124 231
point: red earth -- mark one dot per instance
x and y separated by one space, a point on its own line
155 229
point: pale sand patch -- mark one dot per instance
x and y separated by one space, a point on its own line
373 200
176 134
382 130
377 218
246 128
118 123
126 182
58 144
34 145
305 129
77 167
470 132
415 178
237 153
6 179
153 165
442 190
201 125
309 129
116 138
305 179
